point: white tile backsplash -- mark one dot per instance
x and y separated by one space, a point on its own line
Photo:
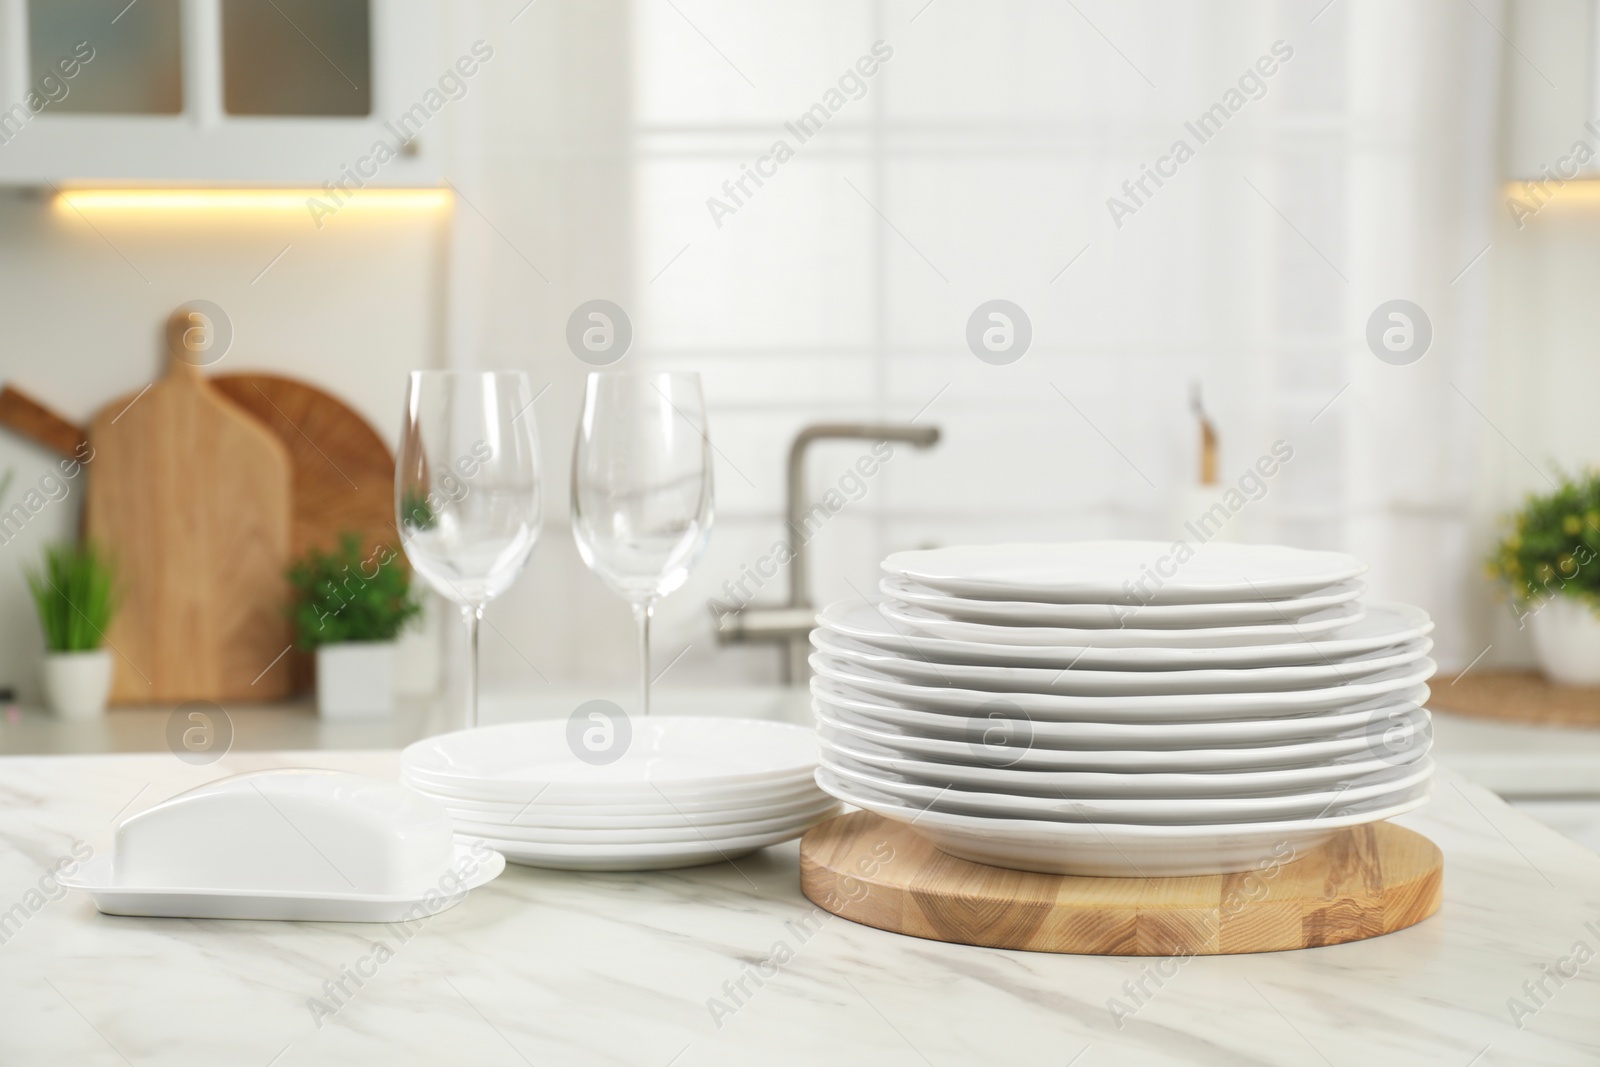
769 61
792 267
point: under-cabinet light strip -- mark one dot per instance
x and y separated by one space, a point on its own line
314 201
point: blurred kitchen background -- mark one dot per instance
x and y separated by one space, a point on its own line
596 151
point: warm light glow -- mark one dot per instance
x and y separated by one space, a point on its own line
1585 190
309 201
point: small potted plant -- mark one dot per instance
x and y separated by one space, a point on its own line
73 592
350 605
1550 565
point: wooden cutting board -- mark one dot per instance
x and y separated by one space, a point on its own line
191 496
1363 882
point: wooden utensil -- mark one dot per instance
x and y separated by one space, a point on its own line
1363 882
191 495
1208 438
31 419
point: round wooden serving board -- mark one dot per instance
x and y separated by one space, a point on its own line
1363 882
342 471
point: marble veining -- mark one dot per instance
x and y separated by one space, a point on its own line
729 964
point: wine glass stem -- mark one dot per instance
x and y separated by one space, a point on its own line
642 612
473 615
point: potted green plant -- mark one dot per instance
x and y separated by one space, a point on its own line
73 592
1549 563
350 605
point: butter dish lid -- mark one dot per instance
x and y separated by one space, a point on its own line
305 845
307 831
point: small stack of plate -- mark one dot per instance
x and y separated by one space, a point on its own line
1121 708
612 795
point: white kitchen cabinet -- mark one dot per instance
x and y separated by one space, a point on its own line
1550 60
225 92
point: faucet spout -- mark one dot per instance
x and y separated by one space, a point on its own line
791 624
799 565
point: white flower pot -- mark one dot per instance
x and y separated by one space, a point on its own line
1566 638
77 684
355 680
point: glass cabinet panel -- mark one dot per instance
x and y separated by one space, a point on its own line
107 56
296 57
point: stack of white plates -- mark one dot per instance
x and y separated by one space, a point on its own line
683 790
1104 708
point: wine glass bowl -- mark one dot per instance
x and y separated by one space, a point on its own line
472 553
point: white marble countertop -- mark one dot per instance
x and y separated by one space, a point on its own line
295 725
546 967
1515 759
1512 760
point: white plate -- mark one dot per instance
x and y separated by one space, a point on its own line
667 796
1102 616
1117 850
909 618
675 754
476 868
824 808
1169 707
1386 731
1123 572
1383 626
1165 811
1084 682
1027 781
635 857
644 816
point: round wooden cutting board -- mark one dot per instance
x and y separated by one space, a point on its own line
343 472
1363 882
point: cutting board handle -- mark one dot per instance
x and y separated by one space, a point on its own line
39 424
189 334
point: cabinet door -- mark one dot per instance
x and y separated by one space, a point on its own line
297 57
89 58
284 92
1548 107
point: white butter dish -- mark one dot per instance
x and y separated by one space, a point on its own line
288 844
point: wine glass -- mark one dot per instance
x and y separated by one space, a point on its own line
641 489
467 489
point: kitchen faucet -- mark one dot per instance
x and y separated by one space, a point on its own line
791 624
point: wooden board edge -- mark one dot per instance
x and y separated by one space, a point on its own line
1129 930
